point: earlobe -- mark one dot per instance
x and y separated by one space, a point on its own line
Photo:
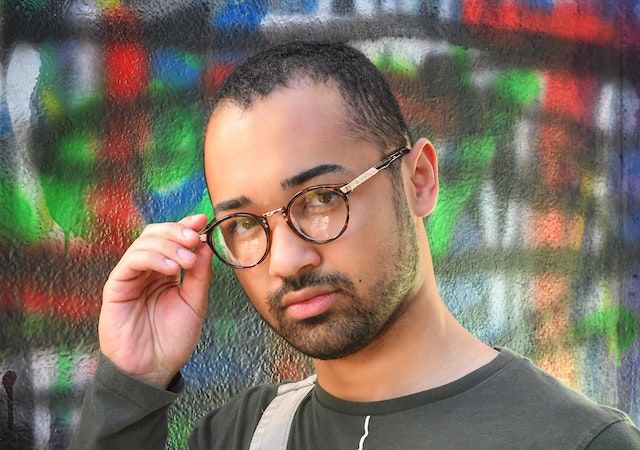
422 179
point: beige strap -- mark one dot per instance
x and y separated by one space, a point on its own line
272 432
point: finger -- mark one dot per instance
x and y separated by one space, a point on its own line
196 280
150 254
196 222
178 232
167 263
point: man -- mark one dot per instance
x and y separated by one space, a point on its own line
335 257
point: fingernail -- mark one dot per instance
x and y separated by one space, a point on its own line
189 233
170 262
185 254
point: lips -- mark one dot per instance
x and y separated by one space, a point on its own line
308 303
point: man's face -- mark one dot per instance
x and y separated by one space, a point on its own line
327 300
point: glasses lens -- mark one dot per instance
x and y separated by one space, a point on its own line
321 214
241 240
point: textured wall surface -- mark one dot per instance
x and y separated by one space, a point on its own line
534 107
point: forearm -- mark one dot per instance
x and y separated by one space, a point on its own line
122 412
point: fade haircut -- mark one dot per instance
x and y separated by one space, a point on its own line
372 112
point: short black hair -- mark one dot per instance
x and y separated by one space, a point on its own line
371 110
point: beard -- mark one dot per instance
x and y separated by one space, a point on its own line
354 321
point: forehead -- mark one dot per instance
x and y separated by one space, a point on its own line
305 107
289 131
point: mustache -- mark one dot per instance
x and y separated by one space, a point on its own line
310 279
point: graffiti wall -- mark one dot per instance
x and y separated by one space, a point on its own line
534 107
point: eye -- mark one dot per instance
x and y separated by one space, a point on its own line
240 228
320 200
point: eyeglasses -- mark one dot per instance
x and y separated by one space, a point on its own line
318 214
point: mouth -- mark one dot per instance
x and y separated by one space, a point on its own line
308 303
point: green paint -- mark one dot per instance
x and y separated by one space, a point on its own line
513 90
441 224
67 183
225 327
23 219
172 156
475 153
65 363
519 86
394 63
179 429
34 324
76 155
461 59
204 206
63 385
66 200
471 161
618 325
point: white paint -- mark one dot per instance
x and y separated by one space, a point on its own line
23 71
43 371
606 115
489 214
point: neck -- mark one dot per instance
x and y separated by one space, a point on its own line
424 348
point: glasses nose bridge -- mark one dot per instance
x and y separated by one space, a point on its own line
282 210
285 213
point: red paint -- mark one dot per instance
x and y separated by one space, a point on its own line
570 20
127 132
74 305
126 71
553 228
215 76
560 150
117 218
570 96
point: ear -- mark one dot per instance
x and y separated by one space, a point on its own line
420 167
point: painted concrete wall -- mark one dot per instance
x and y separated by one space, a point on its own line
534 107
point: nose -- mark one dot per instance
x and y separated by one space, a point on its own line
289 255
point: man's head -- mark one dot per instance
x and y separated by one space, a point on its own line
372 112
284 122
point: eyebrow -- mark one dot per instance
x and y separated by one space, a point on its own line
307 175
288 183
235 203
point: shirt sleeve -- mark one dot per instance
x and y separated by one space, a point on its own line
122 412
621 435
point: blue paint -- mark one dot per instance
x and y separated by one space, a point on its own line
631 194
174 69
240 15
172 204
6 130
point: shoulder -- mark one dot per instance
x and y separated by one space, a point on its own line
545 400
621 435
232 425
520 378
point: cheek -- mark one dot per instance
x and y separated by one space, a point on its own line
372 226
372 238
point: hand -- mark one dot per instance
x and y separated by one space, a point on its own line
150 323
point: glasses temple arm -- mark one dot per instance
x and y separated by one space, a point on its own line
374 170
